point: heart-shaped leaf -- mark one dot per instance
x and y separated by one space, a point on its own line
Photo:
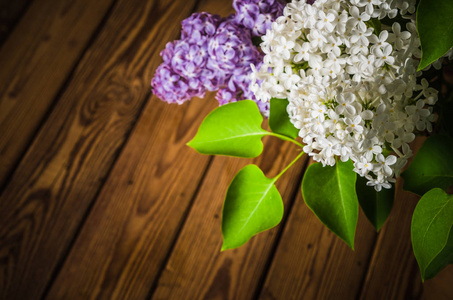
375 205
252 204
233 129
432 166
432 232
434 29
279 119
330 193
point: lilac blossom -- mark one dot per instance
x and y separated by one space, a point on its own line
231 47
231 52
183 73
200 24
225 95
213 54
171 87
189 61
257 15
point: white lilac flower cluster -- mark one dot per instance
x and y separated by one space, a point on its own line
352 91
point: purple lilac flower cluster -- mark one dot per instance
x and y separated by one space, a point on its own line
215 54
257 15
182 74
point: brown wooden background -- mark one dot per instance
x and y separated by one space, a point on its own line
101 199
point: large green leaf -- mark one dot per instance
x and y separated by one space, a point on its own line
330 193
375 205
435 29
252 204
233 129
279 119
432 166
432 232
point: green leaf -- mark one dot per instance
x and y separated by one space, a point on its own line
435 29
233 129
330 193
432 232
252 205
279 119
375 205
432 166
375 24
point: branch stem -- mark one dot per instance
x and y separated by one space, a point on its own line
288 166
285 138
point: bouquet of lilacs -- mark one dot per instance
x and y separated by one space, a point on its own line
215 54
351 82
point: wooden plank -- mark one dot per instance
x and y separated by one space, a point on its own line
142 205
197 269
35 61
393 272
48 197
10 13
139 210
439 287
312 263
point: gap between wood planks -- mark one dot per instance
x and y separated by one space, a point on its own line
14 149
184 220
312 263
179 230
386 275
294 197
100 214
275 246
186 214
10 14
197 269
90 207
143 100
54 102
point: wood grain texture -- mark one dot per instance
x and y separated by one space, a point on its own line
197 269
312 263
35 61
439 287
139 209
61 174
143 204
393 271
10 13
94 211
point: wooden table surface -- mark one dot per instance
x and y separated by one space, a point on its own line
101 198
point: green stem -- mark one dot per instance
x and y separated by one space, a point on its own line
285 138
288 166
